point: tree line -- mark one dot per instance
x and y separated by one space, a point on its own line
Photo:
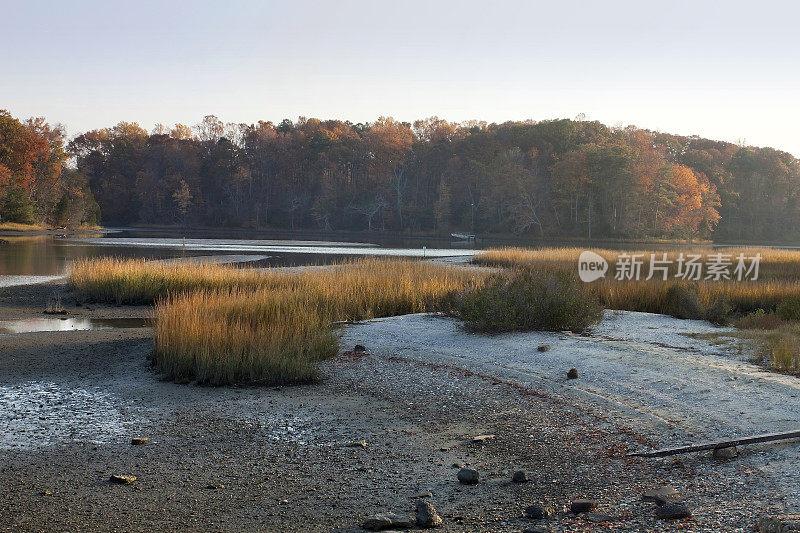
36 184
549 179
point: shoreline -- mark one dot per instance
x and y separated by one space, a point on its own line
282 458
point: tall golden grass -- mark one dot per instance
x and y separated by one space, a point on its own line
775 265
220 338
779 278
218 324
138 281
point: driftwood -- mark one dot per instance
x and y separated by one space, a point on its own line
767 437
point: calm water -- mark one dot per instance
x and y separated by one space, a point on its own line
39 258
33 325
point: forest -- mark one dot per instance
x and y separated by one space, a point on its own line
37 185
549 179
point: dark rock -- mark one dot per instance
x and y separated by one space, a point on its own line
778 523
519 476
382 521
672 511
597 517
138 441
468 476
725 453
359 348
537 512
662 495
572 374
543 347
122 479
582 506
426 515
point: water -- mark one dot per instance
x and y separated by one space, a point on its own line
37 259
33 325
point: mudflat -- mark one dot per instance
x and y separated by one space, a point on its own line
380 431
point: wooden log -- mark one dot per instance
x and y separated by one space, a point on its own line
767 437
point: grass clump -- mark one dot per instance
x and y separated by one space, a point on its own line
682 301
139 281
255 338
222 325
759 319
528 300
717 301
789 309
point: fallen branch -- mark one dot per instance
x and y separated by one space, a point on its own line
767 437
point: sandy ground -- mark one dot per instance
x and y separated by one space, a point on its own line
281 459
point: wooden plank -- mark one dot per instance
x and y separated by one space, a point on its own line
767 437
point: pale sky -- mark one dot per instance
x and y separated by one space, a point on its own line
724 70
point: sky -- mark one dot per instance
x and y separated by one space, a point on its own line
723 70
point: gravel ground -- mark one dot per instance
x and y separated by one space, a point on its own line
291 459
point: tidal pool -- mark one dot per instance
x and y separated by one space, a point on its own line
34 325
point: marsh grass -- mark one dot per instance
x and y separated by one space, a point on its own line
138 281
718 301
222 338
222 325
776 346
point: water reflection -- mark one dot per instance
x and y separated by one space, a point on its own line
33 325
49 255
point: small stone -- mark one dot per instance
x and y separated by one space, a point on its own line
725 453
480 439
138 441
382 521
519 476
537 512
778 523
661 495
468 476
424 494
543 347
427 516
572 374
357 444
673 511
122 480
457 465
582 506
359 348
215 486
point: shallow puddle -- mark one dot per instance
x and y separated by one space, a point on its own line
33 325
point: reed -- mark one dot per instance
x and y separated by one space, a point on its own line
779 281
235 337
222 325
